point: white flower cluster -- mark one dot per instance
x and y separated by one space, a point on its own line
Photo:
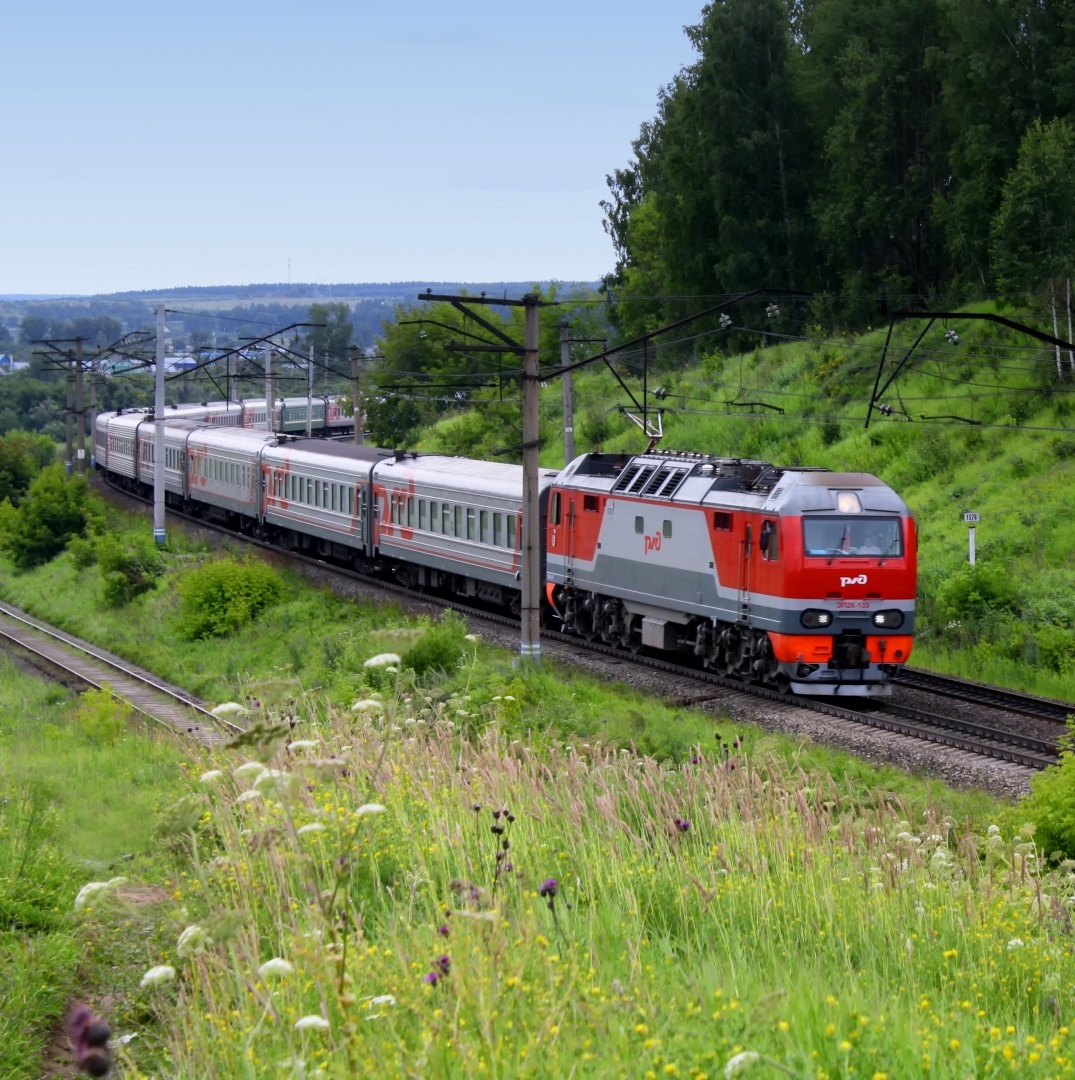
96 889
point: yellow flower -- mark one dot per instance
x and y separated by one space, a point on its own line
954 1044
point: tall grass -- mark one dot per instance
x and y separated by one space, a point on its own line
388 894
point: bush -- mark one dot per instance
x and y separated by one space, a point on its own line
55 509
974 594
440 648
225 595
1050 806
127 570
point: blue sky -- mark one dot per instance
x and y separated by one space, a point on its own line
152 145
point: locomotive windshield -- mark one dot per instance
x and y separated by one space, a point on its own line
863 537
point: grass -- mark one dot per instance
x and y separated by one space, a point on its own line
391 879
71 807
718 891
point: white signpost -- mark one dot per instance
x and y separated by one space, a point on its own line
971 517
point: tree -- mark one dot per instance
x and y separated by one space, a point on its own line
1034 229
55 509
716 198
330 341
22 456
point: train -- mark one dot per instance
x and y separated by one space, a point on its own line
327 415
793 577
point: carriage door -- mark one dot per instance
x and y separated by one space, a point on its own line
746 546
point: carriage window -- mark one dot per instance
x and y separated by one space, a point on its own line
513 521
666 529
423 512
434 516
351 501
410 511
470 523
589 502
722 520
484 525
458 521
498 530
640 525
554 515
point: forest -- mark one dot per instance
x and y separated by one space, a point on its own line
865 153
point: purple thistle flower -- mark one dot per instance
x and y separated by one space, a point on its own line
682 824
548 888
696 759
443 930
89 1036
444 963
432 978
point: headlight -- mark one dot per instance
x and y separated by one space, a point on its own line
890 620
812 618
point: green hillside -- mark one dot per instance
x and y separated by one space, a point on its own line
981 424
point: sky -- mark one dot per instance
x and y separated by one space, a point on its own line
151 144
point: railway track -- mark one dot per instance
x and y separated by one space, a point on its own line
993 697
934 727
68 656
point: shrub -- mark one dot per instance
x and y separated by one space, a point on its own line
975 593
440 648
224 595
101 718
55 509
127 570
1050 806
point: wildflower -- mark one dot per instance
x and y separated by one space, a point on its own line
366 705
443 930
443 964
192 941
274 782
313 827
247 796
548 889
993 830
210 777
471 637
96 888
739 1064
383 999
249 771
162 973
228 708
370 808
312 1023
1015 943
89 1037
384 659
275 969
432 978
682 824
302 744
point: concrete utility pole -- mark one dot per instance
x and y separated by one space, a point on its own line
530 645
310 394
270 391
356 393
158 435
93 414
530 539
70 414
569 401
80 410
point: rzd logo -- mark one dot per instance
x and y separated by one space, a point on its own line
845 581
653 543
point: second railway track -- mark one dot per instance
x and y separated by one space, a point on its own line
92 666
